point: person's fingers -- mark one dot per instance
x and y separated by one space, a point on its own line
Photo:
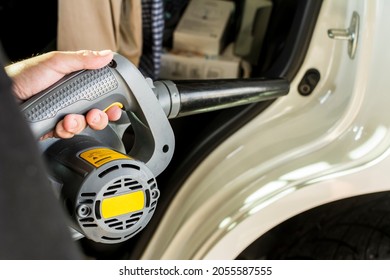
96 119
47 135
114 113
71 124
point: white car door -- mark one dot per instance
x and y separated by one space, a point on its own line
301 152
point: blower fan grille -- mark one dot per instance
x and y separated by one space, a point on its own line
123 205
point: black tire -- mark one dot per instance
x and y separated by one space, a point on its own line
351 229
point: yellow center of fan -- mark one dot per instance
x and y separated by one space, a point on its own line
122 204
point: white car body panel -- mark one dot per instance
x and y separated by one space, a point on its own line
302 152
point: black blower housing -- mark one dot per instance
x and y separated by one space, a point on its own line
109 196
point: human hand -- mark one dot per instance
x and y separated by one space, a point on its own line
35 74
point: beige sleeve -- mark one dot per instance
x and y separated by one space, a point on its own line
101 24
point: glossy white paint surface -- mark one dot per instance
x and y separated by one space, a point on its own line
300 153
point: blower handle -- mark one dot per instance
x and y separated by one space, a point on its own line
120 82
77 92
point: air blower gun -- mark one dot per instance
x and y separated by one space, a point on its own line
110 193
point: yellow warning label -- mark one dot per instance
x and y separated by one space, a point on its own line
122 204
99 156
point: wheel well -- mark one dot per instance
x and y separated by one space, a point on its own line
352 228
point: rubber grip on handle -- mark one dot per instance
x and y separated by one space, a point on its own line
77 92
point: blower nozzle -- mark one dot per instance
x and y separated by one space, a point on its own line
188 97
